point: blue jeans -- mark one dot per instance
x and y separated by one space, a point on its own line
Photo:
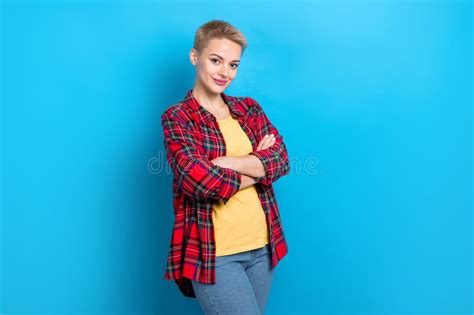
243 281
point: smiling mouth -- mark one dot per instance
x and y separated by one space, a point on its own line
219 82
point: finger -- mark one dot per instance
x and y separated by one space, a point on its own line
268 142
265 144
270 139
263 141
269 145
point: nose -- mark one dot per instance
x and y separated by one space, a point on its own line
223 71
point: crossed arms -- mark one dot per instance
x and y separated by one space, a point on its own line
221 178
249 166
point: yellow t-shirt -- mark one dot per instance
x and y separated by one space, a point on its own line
240 225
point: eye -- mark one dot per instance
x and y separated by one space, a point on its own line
215 60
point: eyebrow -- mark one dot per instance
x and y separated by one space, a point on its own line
223 58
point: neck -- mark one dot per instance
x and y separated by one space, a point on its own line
207 99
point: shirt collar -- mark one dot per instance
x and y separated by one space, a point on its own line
232 102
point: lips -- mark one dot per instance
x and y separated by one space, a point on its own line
219 82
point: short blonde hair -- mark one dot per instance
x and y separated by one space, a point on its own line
217 29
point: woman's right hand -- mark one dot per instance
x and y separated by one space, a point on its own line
266 142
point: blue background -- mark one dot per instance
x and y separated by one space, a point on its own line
374 100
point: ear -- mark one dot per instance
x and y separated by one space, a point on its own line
193 56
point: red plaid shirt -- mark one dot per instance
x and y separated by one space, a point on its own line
192 139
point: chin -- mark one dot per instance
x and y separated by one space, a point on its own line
217 89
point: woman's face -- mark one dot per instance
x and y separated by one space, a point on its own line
217 65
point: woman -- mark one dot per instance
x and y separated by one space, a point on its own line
225 154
